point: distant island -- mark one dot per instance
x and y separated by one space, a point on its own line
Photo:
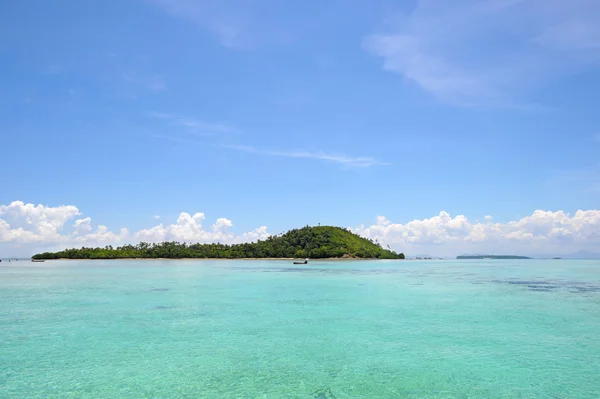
492 257
308 242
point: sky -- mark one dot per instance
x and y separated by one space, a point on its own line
435 127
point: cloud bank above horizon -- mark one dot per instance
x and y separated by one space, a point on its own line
28 227
544 232
38 227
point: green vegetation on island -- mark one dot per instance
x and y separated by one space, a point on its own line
307 242
492 257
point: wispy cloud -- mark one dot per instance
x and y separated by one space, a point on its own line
359 162
53 69
175 139
474 53
241 25
225 21
192 124
145 81
200 128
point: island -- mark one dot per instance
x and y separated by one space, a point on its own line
317 242
492 257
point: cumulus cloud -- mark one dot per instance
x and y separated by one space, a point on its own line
38 227
102 236
82 226
222 225
542 232
28 222
258 234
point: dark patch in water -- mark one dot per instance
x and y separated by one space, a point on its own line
546 287
527 282
324 393
591 288
316 270
163 307
159 289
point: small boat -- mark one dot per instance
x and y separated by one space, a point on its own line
37 260
301 262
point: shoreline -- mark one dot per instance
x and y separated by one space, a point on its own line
225 259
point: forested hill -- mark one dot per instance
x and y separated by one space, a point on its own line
308 242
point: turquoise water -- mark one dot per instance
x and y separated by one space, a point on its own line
269 329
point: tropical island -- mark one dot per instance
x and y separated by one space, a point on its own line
492 257
316 242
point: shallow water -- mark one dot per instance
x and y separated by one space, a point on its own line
270 329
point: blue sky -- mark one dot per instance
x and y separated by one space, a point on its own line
283 114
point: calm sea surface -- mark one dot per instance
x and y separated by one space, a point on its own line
270 329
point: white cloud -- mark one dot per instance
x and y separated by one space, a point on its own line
472 52
193 124
360 162
226 21
258 234
222 225
37 228
188 228
542 232
204 128
157 217
102 236
82 226
26 227
175 139
382 221
144 81
20 221
53 69
241 25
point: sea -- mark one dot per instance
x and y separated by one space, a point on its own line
328 329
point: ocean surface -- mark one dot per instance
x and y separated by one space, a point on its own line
270 329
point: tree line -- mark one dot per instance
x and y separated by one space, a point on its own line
307 242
